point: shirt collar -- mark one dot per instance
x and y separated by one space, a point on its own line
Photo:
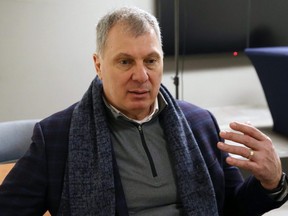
117 113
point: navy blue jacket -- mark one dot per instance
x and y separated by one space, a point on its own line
35 183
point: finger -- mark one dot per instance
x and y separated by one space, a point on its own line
268 177
243 164
244 139
248 123
238 150
248 129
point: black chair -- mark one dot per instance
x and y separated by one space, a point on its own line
271 65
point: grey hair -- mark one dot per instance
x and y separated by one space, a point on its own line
137 22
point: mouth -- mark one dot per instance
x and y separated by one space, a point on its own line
139 92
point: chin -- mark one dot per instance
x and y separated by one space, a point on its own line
140 105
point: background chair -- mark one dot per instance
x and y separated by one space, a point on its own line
15 138
271 65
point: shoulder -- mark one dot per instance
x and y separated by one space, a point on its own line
191 109
58 122
196 115
59 118
204 127
55 128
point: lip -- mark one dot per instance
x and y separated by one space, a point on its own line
139 92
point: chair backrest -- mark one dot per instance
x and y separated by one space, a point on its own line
15 139
271 65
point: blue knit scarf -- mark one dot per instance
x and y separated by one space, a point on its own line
89 189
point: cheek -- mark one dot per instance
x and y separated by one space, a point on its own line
113 86
159 80
156 78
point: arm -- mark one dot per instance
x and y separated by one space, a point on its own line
241 197
254 196
234 195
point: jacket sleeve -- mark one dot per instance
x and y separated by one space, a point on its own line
235 196
244 198
23 190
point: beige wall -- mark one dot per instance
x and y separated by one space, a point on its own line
46 49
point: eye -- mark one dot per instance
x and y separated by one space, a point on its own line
125 61
151 63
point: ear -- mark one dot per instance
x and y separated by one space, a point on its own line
97 65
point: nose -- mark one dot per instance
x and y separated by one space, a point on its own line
140 73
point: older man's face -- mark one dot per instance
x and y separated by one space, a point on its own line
131 70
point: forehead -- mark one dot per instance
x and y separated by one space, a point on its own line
121 36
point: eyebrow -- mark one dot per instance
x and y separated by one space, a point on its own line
121 55
158 55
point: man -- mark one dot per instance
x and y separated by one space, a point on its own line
129 148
